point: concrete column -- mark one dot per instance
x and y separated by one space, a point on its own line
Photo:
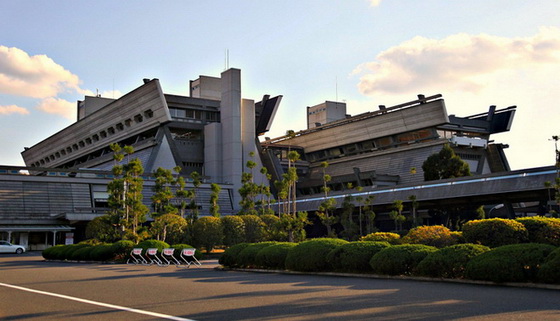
53 239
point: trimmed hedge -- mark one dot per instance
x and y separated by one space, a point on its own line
509 263
248 256
400 259
53 253
436 235
310 256
274 256
495 232
354 256
542 229
230 256
148 244
550 270
449 262
84 251
391 238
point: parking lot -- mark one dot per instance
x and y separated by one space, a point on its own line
32 289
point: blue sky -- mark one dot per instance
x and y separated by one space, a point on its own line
367 53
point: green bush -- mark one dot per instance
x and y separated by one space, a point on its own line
391 238
354 256
449 262
102 252
230 256
509 263
550 270
207 232
248 256
311 255
542 229
274 256
273 232
68 250
148 244
121 250
400 259
254 228
82 254
436 235
495 232
53 253
233 229
458 237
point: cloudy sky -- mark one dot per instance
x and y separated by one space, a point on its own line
365 52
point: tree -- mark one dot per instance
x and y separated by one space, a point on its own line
328 205
396 214
254 228
414 204
214 196
207 232
163 195
233 229
101 229
445 164
169 228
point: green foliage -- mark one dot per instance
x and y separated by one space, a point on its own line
458 237
509 263
391 238
121 249
274 256
273 232
254 228
53 253
494 232
400 259
230 256
354 256
449 262
436 235
550 270
542 229
170 228
312 255
102 229
207 232
148 244
102 252
82 254
445 164
248 256
233 228
294 225
214 197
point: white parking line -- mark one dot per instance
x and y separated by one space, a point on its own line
111 306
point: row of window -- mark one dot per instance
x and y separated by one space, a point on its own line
138 118
209 116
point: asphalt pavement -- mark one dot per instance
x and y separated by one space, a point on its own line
33 289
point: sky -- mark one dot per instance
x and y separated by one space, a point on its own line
475 53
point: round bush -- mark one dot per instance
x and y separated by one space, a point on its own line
233 229
449 262
53 253
274 256
121 250
509 263
148 244
542 229
68 250
230 256
354 256
391 238
179 247
248 256
550 270
102 252
495 232
309 256
400 259
436 235
82 254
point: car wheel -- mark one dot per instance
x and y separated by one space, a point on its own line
19 251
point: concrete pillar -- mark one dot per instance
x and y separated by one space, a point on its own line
53 239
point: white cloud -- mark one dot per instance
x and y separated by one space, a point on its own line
13 109
58 106
33 76
473 72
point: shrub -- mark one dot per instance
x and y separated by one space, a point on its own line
449 262
248 256
230 256
274 256
509 263
52 253
82 254
495 232
179 247
207 232
102 252
542 229
254 228
391 238
400 259
549 271
233 229
311 255
68 250
272 230
148 244
170 228
436 235
354 256
458 237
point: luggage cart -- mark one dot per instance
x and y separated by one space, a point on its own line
187 255
151 254
136 257
168 258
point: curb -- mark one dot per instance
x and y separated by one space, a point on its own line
401 277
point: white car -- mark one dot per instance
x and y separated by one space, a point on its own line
7 247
